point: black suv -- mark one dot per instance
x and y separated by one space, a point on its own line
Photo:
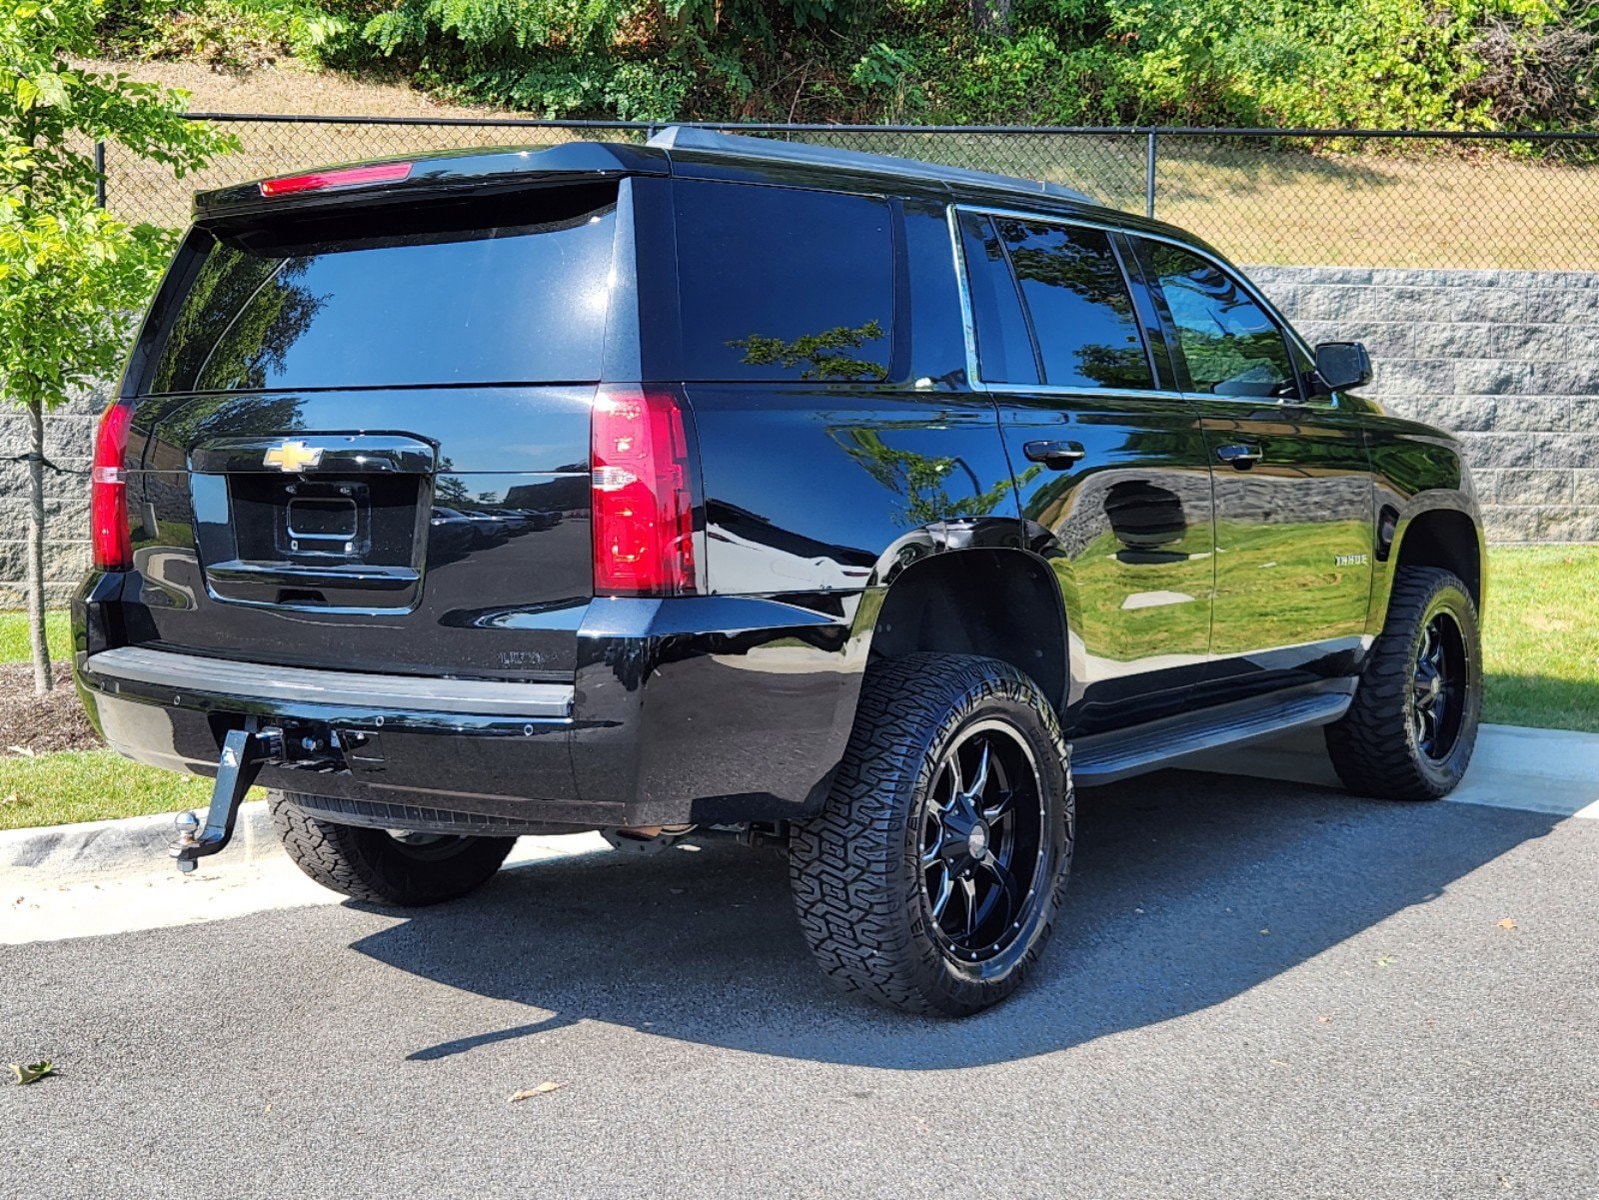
721 485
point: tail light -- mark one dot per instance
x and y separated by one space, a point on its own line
108 491
643 499
316 181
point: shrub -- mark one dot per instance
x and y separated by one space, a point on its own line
1467 64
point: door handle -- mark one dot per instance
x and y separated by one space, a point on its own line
1055 455
1242 457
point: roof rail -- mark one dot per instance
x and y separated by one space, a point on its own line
693 137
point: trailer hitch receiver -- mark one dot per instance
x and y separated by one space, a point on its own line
244 752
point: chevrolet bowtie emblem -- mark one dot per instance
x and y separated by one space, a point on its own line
293 456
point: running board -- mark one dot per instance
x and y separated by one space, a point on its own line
1107 757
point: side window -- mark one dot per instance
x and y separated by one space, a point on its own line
1303 363
782 283
224 283
1081 311
937 339
1230 345
1004 349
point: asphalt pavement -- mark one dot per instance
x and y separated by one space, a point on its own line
1256 988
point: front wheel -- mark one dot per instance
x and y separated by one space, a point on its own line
383 866
1411 728
931 879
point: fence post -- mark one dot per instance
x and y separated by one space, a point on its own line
99 174
1149 175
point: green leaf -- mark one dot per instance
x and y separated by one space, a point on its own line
73 275
33 1072
52 90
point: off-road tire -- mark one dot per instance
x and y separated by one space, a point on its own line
373 865
1374 748
857 868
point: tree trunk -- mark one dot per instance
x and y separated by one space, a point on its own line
42 678
991 16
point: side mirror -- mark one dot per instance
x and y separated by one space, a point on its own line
1341 366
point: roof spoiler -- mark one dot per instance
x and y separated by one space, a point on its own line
696 138
431 174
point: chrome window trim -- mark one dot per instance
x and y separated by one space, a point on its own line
969 325
968 319
1055 389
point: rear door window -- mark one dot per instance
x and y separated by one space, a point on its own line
503 293
1078 303
783 284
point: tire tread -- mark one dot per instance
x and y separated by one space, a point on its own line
1371 747
364 864
842 859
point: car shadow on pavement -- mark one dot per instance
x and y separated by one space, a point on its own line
1188 889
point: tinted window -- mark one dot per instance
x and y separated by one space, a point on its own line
223 285
778 283
1081 311
938 340
1304 364
1230 346
1004 348
410 300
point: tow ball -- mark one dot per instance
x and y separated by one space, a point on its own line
244 752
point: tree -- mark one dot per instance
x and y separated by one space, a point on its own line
991 16
72 277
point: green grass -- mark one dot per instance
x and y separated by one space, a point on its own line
1541 639
1541 645
89 785
79 785
14 637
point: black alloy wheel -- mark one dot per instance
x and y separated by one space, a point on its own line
1412 723
982 841
930 880
1438 700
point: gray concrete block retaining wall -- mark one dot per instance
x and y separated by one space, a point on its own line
69 443
1509 360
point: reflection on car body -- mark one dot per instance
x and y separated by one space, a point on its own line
727 486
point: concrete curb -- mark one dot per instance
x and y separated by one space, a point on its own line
131 845
1540 770
1554 771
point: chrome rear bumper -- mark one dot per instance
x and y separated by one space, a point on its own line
188 680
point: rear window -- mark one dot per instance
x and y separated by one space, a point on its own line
504 291
783 284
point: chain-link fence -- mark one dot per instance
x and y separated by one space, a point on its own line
1306 197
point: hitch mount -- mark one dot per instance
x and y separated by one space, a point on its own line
244 752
